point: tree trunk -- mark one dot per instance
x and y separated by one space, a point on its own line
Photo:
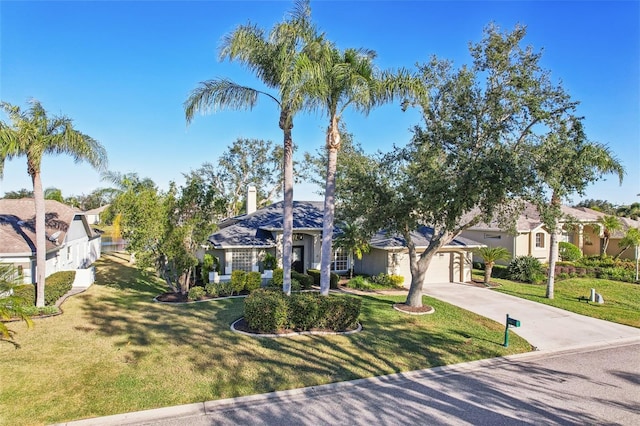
553 249
287 207
333 144
41 238
488 268
418 266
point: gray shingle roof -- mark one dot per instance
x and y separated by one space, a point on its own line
421 238
256 229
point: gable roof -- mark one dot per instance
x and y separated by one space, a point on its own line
421 238
17 225
256 229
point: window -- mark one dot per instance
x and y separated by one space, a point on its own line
241 259
340 260
492 236
540 240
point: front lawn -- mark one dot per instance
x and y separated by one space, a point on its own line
622 300
114 350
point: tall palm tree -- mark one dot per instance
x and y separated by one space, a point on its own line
490 255
352 240
274 58
567 163
342 79
610 224
33 134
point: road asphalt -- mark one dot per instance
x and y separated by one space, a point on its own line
550 330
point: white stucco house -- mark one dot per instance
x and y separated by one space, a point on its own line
71 243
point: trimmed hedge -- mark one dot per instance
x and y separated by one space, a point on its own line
238 280
315 274
266 311
253 281
269 311
306 281
56 286
568 252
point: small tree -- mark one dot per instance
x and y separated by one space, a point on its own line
609 224
490 255
631 239
11 306
353 241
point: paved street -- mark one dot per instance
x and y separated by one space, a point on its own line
585 386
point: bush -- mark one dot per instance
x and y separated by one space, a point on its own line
224 288
306 281
315 274
253 281
303 311
278 277
26 292
360 283
500 271
196 293
45 310
269 262
266 311
211 289
526 269
388 281
568 252
238 280
273 285
207 266
339 312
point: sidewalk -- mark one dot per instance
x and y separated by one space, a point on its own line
545 327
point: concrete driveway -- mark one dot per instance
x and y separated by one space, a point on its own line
545 327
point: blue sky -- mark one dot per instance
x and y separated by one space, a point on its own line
122 71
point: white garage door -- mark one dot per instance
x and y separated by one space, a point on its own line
440 269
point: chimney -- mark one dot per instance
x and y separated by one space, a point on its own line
251 199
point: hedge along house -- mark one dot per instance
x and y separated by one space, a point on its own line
70 242
531 238
242 241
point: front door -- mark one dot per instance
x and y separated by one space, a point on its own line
297 259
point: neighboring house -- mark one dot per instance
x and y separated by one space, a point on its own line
71 244
241 243
93 215
580 227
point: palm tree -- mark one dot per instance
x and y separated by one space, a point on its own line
490 255
610 224
12 305
274 58
33 134
567 163
341 79
630 239
352 240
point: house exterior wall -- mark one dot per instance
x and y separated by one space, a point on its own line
591 241
494 239
25 264
373 263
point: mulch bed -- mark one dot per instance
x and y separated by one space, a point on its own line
424 309
182 298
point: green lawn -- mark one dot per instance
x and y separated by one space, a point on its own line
114 350
622 300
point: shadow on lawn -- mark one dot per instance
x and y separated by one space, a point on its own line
234 364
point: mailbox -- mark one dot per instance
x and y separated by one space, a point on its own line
510 322
513 322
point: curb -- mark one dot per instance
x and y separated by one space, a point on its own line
218 406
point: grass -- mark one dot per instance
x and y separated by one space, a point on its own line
622 300
114 350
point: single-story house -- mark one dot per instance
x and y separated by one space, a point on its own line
241 243
531 237
70 242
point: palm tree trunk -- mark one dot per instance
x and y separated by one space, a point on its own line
287 207
488 269
327 222
41 239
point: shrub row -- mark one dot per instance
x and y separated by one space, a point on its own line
616 274
333 280
298 281
381 281
268 311
56 286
